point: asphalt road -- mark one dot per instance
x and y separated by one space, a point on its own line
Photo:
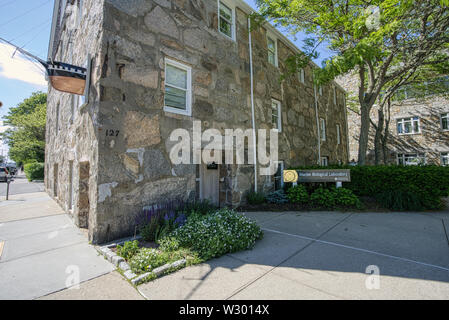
20 185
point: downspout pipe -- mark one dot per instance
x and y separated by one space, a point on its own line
253 118
317 123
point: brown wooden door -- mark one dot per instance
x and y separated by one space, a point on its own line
210 184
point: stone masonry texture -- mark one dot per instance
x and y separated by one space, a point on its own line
128 43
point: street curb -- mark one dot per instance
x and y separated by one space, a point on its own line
124 267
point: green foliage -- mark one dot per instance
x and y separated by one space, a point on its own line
298 194
216 234
254 198
345 198
277 197
147 259
168 244
322 197
427 183
200 206
34 171
26 139
128 250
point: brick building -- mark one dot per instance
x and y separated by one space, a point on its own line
156 66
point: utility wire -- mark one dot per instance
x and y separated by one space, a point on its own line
30 30
25 13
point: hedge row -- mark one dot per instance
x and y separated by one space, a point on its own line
34 171
373 180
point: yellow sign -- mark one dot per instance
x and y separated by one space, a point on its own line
290 176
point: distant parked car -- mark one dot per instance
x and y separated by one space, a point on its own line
12 169
3 174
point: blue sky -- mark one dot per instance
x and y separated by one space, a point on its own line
27 23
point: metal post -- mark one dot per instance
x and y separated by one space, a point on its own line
7 187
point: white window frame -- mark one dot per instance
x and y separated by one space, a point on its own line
402 121
445 116
302 76
279 116
233 24
338 134
444 155
188 110
272 37
418 155
322 129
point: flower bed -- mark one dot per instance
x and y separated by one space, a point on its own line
201 237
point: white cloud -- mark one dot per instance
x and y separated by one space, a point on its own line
20 68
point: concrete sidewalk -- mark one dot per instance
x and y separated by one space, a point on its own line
325 255
44 252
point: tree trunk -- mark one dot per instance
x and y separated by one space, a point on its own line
386 133
378 136
364 132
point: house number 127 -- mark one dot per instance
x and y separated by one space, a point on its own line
112 133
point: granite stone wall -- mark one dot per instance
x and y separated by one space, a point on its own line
130 168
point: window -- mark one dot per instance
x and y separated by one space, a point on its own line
445 158
338 134
445 121
302 76
411 159
408 125
324 161
226 20
272 51
178 84
322 129
276 115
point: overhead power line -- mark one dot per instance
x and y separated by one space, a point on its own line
25 13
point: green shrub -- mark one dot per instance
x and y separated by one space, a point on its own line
430 182
200 206
216 234
277 197
255 198
298 194
168 244
34 171
147 259
345 198
322 197
409 200
128 250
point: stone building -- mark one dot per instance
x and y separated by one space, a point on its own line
157 66
419 127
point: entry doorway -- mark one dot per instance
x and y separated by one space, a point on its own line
210 183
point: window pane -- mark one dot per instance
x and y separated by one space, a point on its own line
444 121
415 126
175 98
400 127
407 127
225 12
271 58
271 45
176 77
225 27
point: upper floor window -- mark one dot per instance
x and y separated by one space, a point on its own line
408 125
272 51
322 129
302 75
445 121
338 134
178 88
226 21
276 115
445 158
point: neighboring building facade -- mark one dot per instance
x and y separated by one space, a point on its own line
419 128
158 66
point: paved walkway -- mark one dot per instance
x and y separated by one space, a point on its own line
325 255
42 253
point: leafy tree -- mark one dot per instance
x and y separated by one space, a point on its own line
382 40
26 138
